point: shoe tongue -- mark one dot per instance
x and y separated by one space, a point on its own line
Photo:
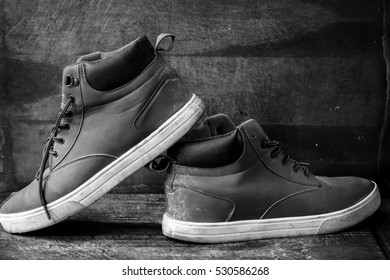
219 124
253 129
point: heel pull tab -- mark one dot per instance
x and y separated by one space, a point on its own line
160 38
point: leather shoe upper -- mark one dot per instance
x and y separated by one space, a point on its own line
115 100
241 174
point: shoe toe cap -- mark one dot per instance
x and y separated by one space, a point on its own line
7 205
23 200
349 190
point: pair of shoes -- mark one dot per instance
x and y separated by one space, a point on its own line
122 109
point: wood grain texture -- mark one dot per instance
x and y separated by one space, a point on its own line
307 91
234 28
6 163
129 227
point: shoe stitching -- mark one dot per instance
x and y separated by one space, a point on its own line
326 182
283 199
172 77
160 85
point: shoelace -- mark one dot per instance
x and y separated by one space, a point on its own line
277 149
48 149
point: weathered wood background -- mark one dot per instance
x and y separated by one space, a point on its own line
312 72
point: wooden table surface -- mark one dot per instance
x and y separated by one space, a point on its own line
128 226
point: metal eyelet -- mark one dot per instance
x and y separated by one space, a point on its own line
72 98
62 141
282 163
294 170
71 81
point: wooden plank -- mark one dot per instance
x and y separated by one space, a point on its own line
33 90
6 163
381 226
331 151
307 91
7 175
2 93
222 28
129 227
326 143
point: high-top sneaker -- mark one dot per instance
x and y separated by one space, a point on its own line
120 109
229 183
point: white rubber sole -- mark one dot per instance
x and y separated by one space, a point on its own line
103 181
272 228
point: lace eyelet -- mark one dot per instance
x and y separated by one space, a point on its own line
61 141
282 163
295 170
262 145
69 114
48 150
71 81
72 98
272 156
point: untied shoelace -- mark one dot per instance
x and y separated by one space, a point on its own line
48 149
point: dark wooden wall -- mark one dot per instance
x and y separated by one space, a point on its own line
312 72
